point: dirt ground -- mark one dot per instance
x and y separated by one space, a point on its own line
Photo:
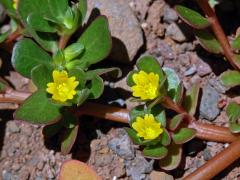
104 145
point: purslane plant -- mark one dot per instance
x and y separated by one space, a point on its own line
61 74
216 42
159 133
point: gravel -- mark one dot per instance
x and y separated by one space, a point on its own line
209 103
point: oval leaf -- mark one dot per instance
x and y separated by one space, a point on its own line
26 55
172 82
68 140
184 135
236 43
96 87
234 127
176 121
77 170
41 75
37 109
133 135
230 78
191 17
190 101
150 64
208 41
155 151
173 158
97 42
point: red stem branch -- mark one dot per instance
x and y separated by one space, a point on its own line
219 33
217 163
204 131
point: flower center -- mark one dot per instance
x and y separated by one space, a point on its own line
150 132
150 90
62 89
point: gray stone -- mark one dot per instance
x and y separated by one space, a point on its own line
169 15
190 71
174 32
139 167
121 145
6 175
27 130
13 127
124 26
165 50
184 59
206 154
216 83
209 103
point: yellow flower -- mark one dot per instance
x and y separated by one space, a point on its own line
147 127
146 85
63 87
15 2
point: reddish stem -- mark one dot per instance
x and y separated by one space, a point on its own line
217 163
204 131
63 41
219 33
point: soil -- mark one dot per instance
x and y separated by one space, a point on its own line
104 145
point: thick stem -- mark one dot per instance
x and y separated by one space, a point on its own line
204 131
219 33
63 41
217 163
13 36
170 104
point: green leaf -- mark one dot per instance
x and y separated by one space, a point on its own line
73 51
184 135
83 9
68 140
165 138
52 129
173 159
191 17
208 41
190 101
41 75
133 135
135 112
58 7
38 23
236 43
234 127
172 82
80 76
26 55
176 121
96 87
40 7
97 42
155 151
159 114
4 36
230 78
130 81
233 111
179 94
115 72
37 109
150 64
81 96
